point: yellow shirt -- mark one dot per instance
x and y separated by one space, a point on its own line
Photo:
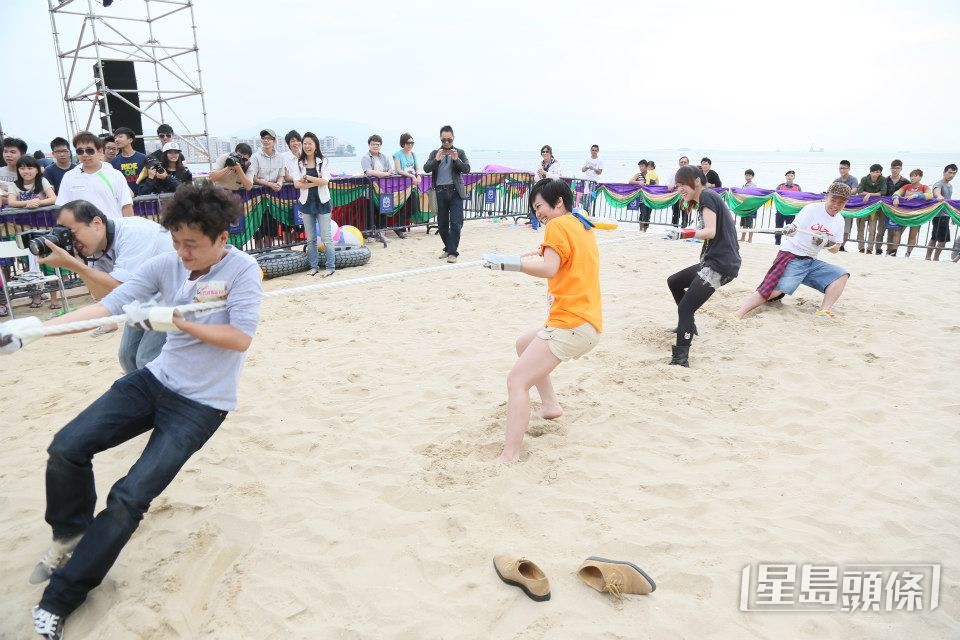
652 177
575 289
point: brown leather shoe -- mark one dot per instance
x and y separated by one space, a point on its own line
615 577
520 572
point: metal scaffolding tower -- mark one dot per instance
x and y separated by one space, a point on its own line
158 36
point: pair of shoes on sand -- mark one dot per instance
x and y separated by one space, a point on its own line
616 577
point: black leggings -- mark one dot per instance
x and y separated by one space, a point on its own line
690 292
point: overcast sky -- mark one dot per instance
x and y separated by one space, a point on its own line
723 75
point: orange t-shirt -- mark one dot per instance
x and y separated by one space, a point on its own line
574 292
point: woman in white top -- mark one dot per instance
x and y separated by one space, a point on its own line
315 204
549 169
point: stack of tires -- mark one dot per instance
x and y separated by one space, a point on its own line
284 263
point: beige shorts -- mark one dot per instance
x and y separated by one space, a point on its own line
568 344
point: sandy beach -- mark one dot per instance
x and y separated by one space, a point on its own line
353 493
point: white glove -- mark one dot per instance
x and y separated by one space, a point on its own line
790 230
820 239
8 341
500 263
147 316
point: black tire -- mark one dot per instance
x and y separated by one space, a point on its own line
346 256
282 263
351 256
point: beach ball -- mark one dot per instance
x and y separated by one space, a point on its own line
334 228
348 236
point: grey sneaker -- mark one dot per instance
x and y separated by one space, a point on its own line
451 259
444 255
55 557
49 625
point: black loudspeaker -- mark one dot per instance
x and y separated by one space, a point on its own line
119 76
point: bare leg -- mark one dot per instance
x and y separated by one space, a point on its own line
832 294
754 301
549 403
936 254
535 364
750 237
912 237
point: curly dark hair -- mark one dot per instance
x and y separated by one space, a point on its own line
203 206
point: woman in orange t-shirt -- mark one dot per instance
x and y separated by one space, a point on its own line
570 261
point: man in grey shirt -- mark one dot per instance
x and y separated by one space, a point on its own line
853 183
268 169
940 225
182 396
448 164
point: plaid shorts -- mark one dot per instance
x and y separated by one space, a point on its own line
776 270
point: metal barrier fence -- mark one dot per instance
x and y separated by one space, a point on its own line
272 219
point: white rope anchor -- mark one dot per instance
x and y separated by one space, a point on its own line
84 325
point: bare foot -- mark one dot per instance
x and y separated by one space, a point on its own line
508 458
551 411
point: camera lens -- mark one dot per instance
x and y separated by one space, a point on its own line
38 247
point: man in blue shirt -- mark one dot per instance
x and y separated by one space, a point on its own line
129 161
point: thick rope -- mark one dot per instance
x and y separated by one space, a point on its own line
84 325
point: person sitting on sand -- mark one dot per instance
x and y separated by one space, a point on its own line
818 225
570 261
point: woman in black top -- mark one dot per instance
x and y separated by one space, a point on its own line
169 175
719 259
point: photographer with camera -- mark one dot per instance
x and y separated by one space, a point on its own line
164 176
447 166
105 253
230 169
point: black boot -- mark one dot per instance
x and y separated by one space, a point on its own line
680 356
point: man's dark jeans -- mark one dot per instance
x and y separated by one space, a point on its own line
781 221
450 219
134 404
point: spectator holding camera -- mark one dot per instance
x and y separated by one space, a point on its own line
447 165
230 169
107 253
166 175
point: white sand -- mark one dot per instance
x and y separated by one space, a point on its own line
353 494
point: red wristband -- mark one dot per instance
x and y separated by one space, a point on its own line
687 233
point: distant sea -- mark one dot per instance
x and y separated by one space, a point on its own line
815 170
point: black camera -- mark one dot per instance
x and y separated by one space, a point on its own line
34 240
155 165
233 160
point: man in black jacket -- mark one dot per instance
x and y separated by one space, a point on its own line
448 164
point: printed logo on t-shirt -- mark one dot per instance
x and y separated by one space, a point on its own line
211 291
820 229
130 170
